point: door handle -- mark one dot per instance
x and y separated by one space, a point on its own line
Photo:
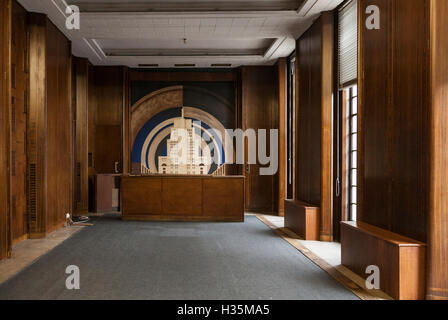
338 187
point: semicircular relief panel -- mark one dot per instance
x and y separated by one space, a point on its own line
169 139
179 141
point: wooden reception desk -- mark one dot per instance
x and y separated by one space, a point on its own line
182 198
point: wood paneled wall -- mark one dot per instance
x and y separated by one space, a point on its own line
394 119
282 75
58 127
314 114
5 17
403 127
18 111
80 94
109 93
259 103
437 238
49 127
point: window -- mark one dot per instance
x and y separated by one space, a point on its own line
352 103
348 44
347 110
290 124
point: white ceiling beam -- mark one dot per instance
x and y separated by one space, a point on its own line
191 6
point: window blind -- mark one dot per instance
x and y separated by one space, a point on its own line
348 44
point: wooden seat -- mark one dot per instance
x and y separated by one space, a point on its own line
401 260
302 219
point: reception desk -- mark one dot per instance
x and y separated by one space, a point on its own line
182 198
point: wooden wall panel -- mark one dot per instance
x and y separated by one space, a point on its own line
259 111
80 93
5 16
403 127
18 105
109 94
58 144
36 130
394 123
282 134
49 127
314 121
437 281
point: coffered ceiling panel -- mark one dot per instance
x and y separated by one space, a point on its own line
172 32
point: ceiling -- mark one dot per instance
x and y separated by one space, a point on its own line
170 33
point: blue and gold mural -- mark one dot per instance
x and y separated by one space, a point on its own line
153 118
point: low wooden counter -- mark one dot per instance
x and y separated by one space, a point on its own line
182 198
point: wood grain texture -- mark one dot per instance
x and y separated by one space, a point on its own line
182 198
5 16
109 92
437 281
58 126
394 119
216 195
401 260
126 123
302 219
314 121
182 76
49 127
402 124
80 71
18 115
282 136
108 150
259 103
36 130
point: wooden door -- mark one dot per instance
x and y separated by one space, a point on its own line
259 111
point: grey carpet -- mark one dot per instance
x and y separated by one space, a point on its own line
157 260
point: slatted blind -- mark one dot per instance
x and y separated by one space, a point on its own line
348 44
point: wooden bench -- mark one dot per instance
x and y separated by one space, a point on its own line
302 219
401 260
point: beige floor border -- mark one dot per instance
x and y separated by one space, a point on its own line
343 279
28 251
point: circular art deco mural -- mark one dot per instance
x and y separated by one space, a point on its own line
182 140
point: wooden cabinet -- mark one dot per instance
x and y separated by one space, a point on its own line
401 261
303 219
199 198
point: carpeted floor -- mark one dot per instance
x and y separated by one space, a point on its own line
157 260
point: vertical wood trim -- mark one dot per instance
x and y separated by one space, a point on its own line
326 208
282 136
80 86
437 279
127 148
71 110
5 94
36 127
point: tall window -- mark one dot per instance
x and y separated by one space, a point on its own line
290 123
347 48
352 104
